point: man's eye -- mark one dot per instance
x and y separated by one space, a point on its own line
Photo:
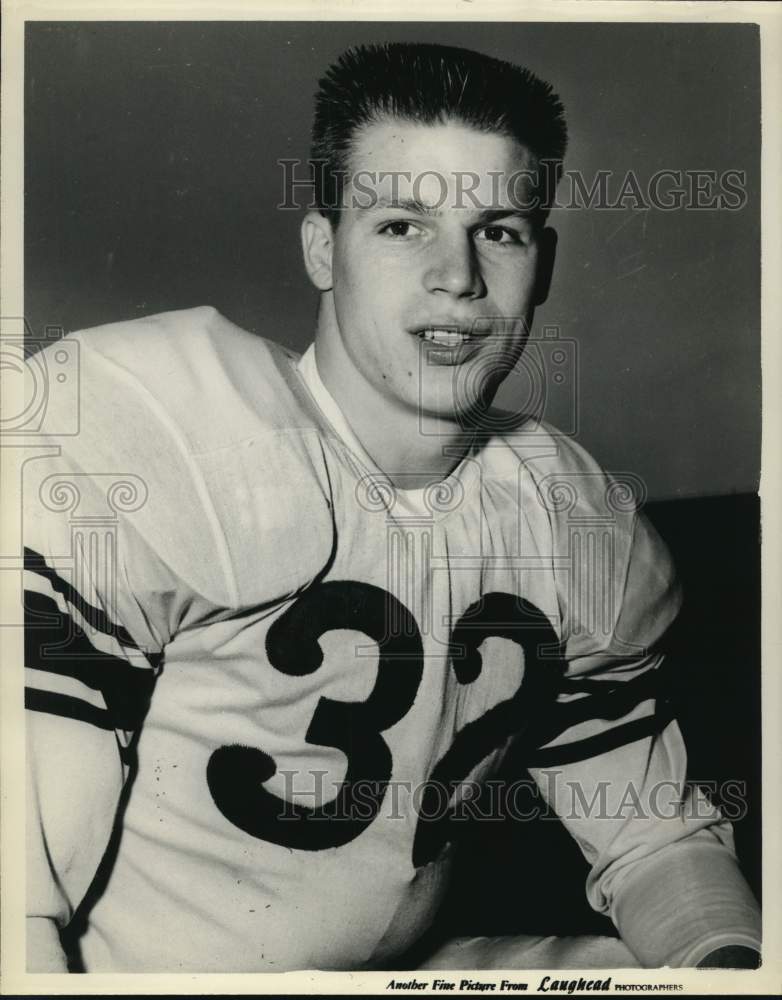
398 228
498 234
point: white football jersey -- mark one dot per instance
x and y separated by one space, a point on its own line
281 673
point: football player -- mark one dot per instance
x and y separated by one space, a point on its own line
283 612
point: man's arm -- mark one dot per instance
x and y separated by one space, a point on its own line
87 682
663 863
74 782
688 903
85 698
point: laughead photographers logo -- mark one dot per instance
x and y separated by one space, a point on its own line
40 388
525 190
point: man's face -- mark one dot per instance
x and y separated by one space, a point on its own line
434 282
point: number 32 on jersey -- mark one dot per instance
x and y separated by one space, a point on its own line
235 773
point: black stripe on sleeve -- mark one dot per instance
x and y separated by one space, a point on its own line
97 619
593 746
54 643
606 700
66 707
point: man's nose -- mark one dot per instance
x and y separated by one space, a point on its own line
453 268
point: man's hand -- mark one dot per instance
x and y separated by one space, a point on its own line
731 957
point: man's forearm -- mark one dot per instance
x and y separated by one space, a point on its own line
44 951
685 905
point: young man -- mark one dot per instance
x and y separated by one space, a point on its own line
282 612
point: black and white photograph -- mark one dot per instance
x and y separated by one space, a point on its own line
385 466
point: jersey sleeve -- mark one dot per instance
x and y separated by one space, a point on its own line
110 506
147 516
92 650
611 759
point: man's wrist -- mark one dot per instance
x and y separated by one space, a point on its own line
664 925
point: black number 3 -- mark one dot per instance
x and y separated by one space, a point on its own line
234 773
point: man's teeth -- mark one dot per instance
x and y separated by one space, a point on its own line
448 338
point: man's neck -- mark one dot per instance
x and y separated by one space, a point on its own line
413 449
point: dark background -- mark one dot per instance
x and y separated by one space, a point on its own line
152 183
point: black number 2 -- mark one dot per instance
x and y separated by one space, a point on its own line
505 617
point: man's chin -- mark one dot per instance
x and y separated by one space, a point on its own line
454 415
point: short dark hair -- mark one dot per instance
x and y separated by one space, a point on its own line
431 84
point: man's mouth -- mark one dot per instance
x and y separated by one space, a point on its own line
450 335
444 337
450 343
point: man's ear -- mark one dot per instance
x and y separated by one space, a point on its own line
547 252
317 244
